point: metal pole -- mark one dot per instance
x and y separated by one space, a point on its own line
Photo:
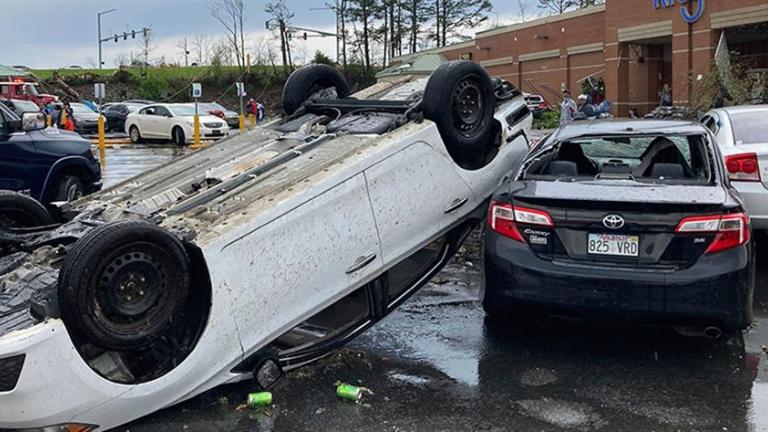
98 18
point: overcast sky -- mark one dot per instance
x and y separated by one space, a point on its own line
58 33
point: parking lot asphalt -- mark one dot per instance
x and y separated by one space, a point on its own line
436 364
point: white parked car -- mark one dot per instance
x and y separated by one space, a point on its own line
742 135
533 101
253 256
173 122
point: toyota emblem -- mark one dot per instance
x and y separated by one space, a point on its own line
613 221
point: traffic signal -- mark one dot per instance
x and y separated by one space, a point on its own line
145 31
125 36
115 38
305 35
133 34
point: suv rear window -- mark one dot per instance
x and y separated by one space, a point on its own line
749 127
663 159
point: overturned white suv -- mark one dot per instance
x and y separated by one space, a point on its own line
256 255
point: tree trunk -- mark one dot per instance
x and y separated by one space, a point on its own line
437 21
399 28
445 23
343 14
242 36
366 47
386 37
282 44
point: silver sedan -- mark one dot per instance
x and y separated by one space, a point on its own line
742 135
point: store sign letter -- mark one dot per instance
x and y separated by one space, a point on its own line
690 15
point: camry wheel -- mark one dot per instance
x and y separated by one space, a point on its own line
124 285
134 134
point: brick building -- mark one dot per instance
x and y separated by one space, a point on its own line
634 45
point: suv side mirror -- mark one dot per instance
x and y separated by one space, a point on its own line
32 121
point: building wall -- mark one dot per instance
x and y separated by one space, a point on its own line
634 46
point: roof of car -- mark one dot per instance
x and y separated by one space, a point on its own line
627 127
743 109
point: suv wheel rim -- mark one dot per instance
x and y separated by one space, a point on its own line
467 107
74 193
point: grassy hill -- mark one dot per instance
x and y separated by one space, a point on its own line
173 84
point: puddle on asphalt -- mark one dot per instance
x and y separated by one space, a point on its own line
561 413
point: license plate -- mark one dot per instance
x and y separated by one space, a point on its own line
613 244
215 132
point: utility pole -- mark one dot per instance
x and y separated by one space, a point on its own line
186 53
98 20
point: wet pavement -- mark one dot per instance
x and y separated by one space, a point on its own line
122 162
436 364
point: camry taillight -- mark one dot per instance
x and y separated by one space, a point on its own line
503 218
743 167
730 230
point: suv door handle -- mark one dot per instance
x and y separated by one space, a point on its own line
456 204
361 262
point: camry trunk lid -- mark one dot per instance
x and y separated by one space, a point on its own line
617 222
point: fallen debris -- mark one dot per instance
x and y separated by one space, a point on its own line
350 392
259 399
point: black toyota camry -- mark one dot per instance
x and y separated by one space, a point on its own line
622 219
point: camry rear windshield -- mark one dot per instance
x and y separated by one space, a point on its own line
749 127
676 159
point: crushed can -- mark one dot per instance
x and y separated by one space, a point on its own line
259 399
349 392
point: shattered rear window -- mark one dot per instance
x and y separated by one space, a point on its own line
652 158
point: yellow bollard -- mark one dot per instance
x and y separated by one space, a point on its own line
197 132
48 120
102 138
242 122
252 119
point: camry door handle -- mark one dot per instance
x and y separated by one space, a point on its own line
456 204
361 262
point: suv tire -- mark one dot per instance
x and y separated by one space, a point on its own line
124 285
307 80
459 99
68 188
21 211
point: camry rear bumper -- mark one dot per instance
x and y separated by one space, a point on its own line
717 290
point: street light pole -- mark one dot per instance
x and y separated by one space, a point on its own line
98 20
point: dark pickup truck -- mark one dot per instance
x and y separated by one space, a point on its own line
49 164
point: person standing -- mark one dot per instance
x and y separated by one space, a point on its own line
665 96
585 107
261 111
567 109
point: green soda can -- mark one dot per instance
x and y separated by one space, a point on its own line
259 399
349 392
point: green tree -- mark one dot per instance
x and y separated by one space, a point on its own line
321 58
416 13
152 86
364 12
556 7
453 16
